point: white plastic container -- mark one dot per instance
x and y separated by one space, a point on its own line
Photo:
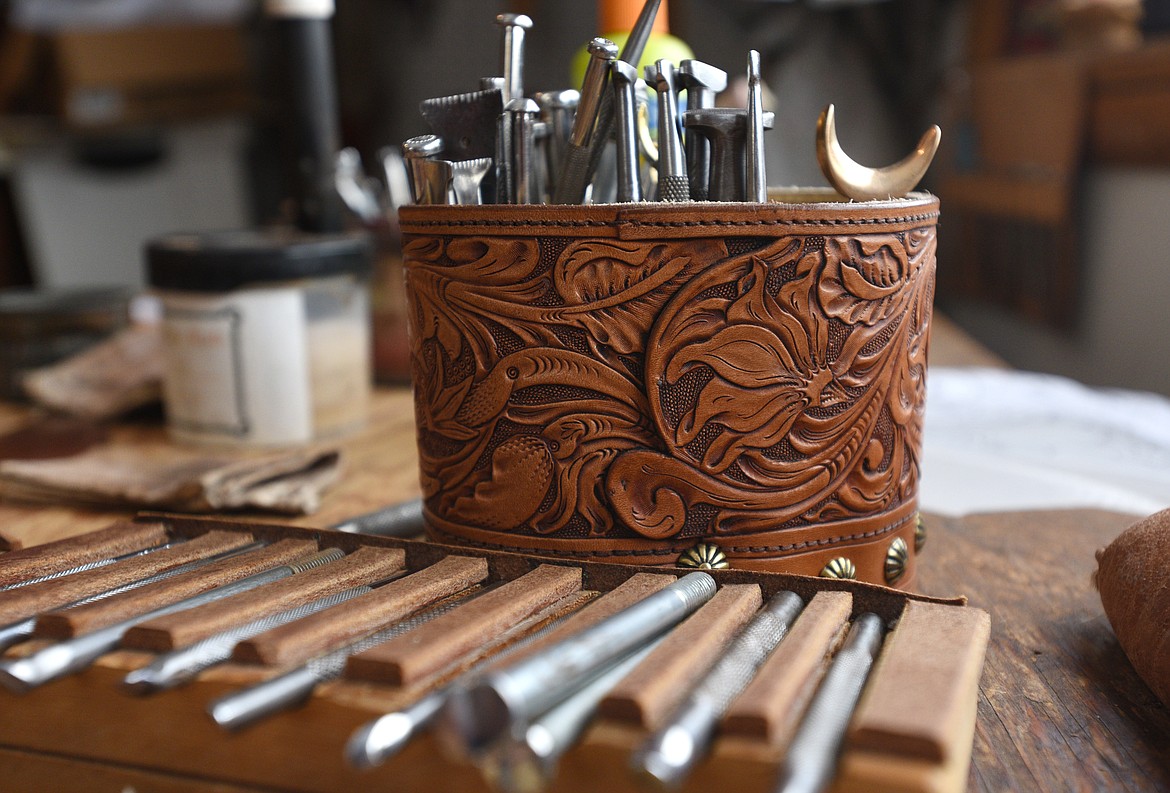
266 335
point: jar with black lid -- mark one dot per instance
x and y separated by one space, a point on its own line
266 334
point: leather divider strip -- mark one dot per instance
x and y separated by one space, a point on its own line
28 601
65 623
298 641
915 703
633 589
363 566
408 658
649 694
54 557
772 704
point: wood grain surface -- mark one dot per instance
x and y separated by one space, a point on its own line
1060 706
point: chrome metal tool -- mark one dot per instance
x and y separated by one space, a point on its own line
702 82
244 707
631 53
508 699
756 188
376 741
514 26
673 184
430 178
557 109
670 754
397 520
72 655
629 171
574 173
180 666
812 755
521 117
466 178
527 762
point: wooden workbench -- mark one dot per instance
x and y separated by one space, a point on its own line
1060 706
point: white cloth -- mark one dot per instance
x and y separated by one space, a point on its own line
998 440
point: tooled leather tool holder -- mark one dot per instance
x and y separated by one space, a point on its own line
913 728
647 383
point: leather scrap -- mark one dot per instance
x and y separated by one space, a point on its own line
163 476
112 378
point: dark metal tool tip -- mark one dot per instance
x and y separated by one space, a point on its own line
476 716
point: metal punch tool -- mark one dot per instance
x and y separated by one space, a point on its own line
673 184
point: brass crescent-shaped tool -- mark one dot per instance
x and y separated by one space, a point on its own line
854 180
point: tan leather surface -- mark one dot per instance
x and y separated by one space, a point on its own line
621 382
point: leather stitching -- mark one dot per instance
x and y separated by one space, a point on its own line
667 549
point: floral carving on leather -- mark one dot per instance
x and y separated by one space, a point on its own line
681 386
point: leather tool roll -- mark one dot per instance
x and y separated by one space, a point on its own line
646 382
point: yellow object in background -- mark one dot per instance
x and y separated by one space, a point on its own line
615 19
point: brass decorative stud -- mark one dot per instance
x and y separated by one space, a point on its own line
704 556
919 534
897 557
856 181
841 567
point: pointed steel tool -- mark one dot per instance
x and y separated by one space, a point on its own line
757 177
